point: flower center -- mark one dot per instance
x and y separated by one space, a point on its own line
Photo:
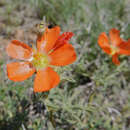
40 60
114 50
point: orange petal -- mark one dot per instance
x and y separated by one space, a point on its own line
115 59
45 80
63 55
19 50
124 48
115 37
103 42
19 71
47 41
65 37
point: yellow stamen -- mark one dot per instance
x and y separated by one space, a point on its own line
40 60
114 50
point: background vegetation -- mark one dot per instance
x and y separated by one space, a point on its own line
94 94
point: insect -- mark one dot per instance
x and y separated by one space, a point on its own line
43 25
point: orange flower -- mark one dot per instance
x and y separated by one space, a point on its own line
52 49
114 45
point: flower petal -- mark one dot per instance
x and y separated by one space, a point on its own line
19 50
19 71
63 55
115 59
103 42
124 48
115 37
63 38
45 80
46 42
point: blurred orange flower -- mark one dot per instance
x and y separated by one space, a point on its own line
114 45
52 49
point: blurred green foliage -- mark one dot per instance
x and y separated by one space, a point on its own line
93 93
